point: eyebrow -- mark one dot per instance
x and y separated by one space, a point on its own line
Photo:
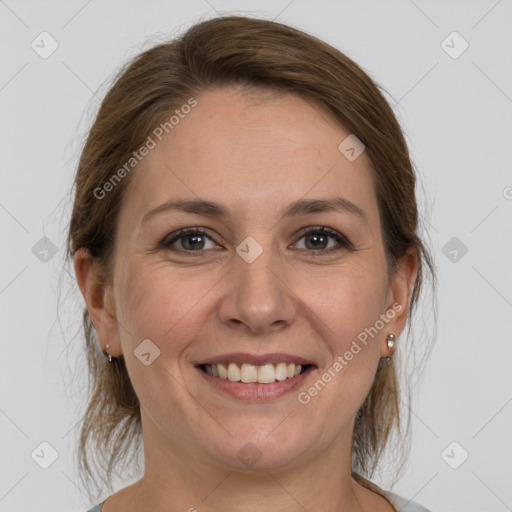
300 207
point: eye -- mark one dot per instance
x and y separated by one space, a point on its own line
188 239
318 240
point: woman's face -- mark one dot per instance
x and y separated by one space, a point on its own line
258 284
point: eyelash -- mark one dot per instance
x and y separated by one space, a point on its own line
343 242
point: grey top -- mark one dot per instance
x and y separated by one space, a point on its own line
401 504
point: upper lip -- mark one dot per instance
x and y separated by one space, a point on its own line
256 359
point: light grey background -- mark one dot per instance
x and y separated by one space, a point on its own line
456 113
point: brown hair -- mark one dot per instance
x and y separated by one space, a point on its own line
251 53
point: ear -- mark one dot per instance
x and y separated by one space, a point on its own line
99 298
399 295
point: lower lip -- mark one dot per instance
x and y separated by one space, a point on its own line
255 392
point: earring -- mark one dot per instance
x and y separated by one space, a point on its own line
109 356
391 345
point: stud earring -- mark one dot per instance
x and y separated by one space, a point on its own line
391 342
109 356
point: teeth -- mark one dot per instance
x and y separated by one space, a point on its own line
223 371
281 371
233 372
265 374
249 373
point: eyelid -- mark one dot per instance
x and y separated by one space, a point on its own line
342 241
326 230
181 233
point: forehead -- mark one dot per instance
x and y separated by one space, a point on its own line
256 152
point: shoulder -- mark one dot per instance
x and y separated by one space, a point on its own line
403 504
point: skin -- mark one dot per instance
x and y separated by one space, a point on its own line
254 153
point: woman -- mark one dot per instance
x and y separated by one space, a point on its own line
244 234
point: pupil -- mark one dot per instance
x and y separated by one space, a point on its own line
317 236
195 237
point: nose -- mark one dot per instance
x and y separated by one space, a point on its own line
259 298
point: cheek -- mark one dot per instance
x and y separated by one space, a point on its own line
348 311
347 304
154 305
342 385
160 305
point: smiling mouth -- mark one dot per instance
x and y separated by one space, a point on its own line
249 373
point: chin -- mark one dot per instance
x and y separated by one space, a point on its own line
262 449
